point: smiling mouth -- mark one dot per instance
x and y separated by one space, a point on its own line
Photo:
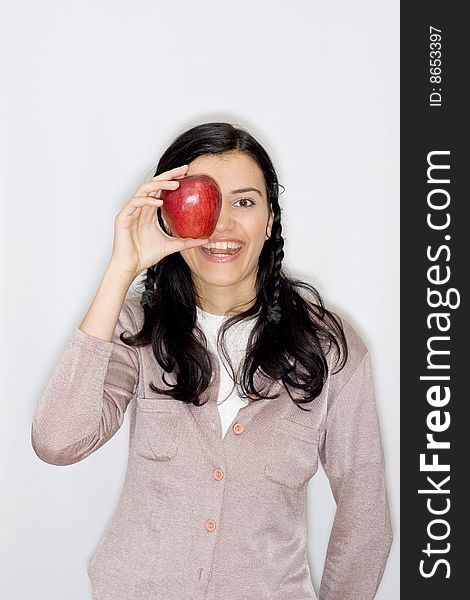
222 249
216 252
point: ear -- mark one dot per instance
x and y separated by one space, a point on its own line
269 226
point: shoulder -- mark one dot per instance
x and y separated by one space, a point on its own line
356 352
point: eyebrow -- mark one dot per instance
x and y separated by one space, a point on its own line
247 189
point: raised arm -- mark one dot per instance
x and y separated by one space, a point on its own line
86 397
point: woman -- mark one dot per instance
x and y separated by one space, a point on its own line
224 437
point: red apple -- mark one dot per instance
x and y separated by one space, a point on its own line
193 208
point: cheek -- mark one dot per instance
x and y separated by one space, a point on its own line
259 235
255 229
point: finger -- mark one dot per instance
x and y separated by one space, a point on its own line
138 203
172 172
148 200
154 187
186 243
174 179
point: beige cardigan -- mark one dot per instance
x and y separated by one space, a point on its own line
206 518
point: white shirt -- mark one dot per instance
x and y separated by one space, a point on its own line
228 402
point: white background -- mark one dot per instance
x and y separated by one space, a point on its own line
92 92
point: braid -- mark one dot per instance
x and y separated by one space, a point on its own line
274 309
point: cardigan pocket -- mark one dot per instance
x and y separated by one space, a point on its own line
293 456
155 429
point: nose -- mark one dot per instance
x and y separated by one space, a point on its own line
225 221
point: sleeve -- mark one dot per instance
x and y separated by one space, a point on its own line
352 457
86 396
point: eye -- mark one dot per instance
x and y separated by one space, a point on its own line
246 200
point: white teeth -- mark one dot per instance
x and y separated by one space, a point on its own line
222 245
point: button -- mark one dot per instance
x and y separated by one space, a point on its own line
209 575
210 525
238 428
218 474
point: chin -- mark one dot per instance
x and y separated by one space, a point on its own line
222 280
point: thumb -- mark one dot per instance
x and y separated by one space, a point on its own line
186 243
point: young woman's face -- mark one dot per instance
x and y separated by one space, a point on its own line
244 219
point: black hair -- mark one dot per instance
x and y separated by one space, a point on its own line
291 334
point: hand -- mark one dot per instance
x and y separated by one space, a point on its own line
139 241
